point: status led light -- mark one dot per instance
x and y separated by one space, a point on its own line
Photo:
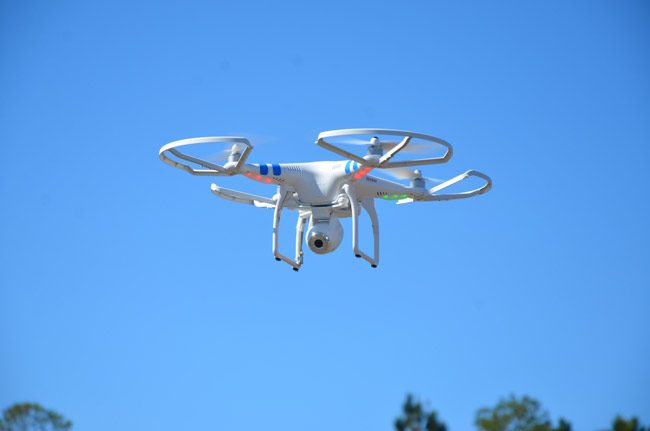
395 197
361 172
258 178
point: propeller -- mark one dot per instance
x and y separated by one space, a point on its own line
233 151
223 155
413 175
412 147
256 138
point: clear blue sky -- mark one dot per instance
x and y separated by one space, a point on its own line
132 298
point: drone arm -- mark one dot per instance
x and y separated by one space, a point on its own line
241 197
369 206
295 264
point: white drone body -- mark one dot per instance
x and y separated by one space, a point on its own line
323 192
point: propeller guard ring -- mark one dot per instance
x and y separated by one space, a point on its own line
212 168
391 132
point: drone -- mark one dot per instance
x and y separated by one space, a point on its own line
325 191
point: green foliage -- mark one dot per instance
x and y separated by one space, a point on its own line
513 414
563 425
32 417
621 424
415 418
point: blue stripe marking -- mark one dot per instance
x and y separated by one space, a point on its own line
276 169
347 167
264 169
355 166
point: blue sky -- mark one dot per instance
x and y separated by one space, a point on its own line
130 295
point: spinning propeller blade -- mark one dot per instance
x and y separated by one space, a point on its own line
413 148
256 138
223 155
401 173
409 174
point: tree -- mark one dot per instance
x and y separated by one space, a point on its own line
415 418
32 417
621 424
524 414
